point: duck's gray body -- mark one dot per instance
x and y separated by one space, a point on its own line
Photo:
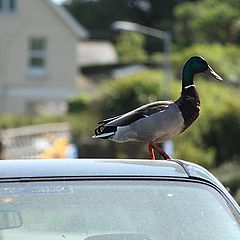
157 121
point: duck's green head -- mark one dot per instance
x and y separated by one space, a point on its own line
194 65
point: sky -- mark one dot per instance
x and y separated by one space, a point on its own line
58 1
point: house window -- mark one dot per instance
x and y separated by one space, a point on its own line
7 6
37 56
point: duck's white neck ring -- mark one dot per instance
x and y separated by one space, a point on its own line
192 85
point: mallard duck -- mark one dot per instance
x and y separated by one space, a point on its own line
159 121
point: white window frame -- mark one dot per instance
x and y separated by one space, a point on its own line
37 70
6 6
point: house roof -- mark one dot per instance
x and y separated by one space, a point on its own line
96 53
76 27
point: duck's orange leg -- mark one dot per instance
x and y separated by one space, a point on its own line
152 145
151 152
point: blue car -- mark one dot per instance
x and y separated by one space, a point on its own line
89 199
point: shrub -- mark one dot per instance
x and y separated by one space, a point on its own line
224 132
78 103
122 95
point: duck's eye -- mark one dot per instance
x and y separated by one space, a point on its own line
201 61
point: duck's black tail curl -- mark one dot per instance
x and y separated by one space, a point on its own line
104 132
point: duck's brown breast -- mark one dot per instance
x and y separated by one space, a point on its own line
189 105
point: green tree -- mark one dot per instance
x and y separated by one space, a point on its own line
205 21
130 47
98 15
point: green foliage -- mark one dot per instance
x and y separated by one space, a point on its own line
122 95
205 21
224 59
130 47
235 30
78 103
97 16
224 132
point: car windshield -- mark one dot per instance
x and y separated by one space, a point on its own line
114 210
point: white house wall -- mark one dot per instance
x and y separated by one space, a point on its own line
34 18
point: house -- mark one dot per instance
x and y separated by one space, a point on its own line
38 63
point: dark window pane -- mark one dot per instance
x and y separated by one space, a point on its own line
37 62
12 4
37 53
7 5
37 44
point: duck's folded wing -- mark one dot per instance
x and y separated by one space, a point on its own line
141 112
109 126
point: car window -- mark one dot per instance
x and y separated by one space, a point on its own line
114 210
